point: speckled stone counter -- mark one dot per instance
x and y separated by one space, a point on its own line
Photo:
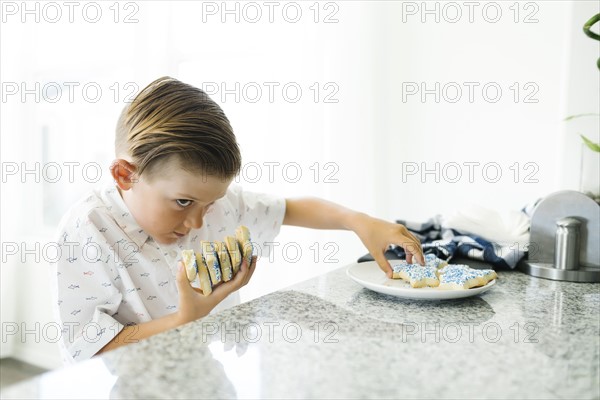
330 338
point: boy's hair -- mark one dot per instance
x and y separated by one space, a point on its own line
172 121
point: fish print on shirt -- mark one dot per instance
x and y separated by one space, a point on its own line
148 277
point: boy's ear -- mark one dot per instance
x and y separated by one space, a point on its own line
123 172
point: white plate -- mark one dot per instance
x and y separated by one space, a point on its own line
369 275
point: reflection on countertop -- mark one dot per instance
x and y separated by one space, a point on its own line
330 338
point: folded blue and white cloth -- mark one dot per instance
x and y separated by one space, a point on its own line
446 243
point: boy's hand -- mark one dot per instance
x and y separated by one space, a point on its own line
193 304
377 235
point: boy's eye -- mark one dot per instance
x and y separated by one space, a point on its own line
183 202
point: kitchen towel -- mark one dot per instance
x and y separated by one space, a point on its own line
500 239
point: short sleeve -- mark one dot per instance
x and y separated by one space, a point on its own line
262 213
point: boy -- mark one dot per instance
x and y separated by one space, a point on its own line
119 279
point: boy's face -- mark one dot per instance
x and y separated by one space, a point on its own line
173 202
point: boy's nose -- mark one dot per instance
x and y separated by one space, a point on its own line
195 220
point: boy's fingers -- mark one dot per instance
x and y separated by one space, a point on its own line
413 250
251 270
182 280
383 263
243 273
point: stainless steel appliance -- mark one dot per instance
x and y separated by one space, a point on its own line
565 239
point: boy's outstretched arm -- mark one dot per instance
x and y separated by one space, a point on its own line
376 234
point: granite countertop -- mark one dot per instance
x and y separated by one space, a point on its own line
330 338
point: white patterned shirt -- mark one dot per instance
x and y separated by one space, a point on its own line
111 274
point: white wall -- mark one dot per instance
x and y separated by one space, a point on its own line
580 95
506 132
365 138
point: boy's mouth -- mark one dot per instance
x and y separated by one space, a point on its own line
180 235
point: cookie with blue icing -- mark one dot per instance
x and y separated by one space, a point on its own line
235 254
224 261
196 267
431 260
458 276
415 274
485 275
242 235
212 261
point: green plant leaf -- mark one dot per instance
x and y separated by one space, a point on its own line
580 115
587 27
593 146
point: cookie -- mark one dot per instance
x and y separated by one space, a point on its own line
438 273
397 267
203 275
189 261
242 234
431 260
196 267
486 275
455 277
235 254
224 261
417 275
212 261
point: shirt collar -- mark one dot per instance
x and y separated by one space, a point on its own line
119 211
